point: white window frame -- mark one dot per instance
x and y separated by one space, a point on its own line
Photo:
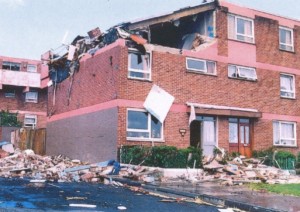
238 72
31 66
200 70
293 92
236 34
139 70
286 44
31 96
29 124
161 139
11 65
281 143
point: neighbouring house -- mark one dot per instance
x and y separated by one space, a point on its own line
23 94
216 74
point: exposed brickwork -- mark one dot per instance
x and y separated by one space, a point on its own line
222 31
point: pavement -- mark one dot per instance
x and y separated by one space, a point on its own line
239 196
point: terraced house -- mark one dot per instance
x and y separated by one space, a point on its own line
23 92
216 74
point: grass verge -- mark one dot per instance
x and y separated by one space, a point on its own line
287 189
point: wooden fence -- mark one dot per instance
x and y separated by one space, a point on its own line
34 139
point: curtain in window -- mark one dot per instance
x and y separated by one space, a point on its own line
208 132
286 83
233 133
231 27
276 132
210 67
248 31
287 131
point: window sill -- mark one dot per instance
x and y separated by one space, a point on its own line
139 79
284 146
146 140
201 73
243 79
288 51
240 41
290 98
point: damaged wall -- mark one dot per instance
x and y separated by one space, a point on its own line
88 137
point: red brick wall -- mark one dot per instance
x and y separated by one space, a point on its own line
96 82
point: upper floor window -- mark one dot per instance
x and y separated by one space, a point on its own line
287 86
139 65
30 120
286 40
10 93
202 66
31 97
240 28
31 68
242 72
11 66
284 133
141 125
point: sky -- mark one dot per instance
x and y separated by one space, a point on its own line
29 28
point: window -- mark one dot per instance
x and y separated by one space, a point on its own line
241 72
286 40
11 66
30 120
31 97
31 68
287 86
10 93
240 28
141 125
202 66
139 66
284 133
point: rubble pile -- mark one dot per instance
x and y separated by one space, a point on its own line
27 164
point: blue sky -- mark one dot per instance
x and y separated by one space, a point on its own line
30 27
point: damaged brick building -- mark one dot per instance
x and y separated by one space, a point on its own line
224 75
23 91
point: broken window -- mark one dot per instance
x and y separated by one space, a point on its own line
286 41
11 66
202 66
287 85
31 68
240 28
139 65
241 72
184 33
30 120
284 133
31 96
141 125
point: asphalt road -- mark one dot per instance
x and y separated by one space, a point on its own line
21 195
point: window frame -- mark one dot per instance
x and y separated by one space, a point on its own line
236 34
11 64
30 116
238 72
294 88
285 44
30 71
149 119
31 100
10 93
194 70
130 70
279 135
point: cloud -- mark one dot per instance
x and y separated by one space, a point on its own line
12 3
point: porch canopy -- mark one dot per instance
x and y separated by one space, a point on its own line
217 110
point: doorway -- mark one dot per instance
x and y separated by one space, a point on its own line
240 136
203 134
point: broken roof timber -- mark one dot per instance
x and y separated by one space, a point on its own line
175 15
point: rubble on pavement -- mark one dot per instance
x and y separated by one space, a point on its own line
240 170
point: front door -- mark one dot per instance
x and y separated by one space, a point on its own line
203 134
239 136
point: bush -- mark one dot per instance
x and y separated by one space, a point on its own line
8 119
162 156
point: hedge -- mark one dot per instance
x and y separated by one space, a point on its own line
162 156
